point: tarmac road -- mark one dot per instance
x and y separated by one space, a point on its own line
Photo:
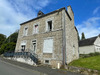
10 67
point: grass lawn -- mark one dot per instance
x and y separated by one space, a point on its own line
89 62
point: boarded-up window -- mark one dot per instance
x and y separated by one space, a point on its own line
48 46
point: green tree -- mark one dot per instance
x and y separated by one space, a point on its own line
8 47
9 44
12 38
2 39
78 37
83 36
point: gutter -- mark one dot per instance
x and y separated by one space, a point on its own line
64 39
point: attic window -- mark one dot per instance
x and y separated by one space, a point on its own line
40 13
49 25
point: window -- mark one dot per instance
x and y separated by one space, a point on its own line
46 61
23 45
49 25
36 29
48 46
34 46
25 31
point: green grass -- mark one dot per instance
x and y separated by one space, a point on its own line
89 62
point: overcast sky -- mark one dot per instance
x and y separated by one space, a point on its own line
14 12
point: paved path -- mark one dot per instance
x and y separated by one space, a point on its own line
9 67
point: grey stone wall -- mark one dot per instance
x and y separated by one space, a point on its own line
57 35
71 38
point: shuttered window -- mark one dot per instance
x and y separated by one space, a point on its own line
48 46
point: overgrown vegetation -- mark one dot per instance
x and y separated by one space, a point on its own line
2 39
8 44
90 61
8 47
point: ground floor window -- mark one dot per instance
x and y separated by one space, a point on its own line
48 46
23 45
46 61
34 46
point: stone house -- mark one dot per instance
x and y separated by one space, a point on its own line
52 37
90 45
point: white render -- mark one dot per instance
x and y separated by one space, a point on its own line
86 49
91 48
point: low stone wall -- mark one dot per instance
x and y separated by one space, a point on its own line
84 71
23 60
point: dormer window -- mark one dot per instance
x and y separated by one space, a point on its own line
40 13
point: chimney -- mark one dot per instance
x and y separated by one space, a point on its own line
40 13
70 12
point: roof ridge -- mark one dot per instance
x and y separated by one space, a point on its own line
89 38
45 15
87 42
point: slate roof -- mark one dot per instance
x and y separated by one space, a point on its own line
87 42
48 14
58 10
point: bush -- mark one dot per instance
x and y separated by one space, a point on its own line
8 47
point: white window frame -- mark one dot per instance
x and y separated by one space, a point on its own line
25 33
32 46
24 42
34 28
49 19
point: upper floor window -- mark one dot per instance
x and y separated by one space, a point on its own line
25 31
49 25
36 29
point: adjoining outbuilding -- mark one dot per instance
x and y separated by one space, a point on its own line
90 45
